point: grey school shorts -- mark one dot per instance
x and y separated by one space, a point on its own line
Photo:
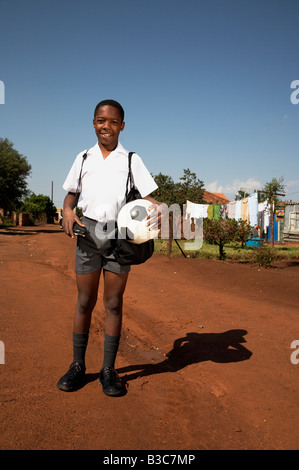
91 249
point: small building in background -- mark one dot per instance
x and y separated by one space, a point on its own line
291 222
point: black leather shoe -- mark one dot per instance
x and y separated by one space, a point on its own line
73 379
111 383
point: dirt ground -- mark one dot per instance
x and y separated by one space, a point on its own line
205 354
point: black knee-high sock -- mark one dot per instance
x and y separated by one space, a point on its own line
80 341
111 344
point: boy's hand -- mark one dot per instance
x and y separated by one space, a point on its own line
155 217
69 218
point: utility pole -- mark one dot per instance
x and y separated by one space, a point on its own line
52 191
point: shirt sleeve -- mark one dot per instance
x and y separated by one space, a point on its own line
143 180
72 179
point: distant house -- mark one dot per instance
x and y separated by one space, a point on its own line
291 222
214 198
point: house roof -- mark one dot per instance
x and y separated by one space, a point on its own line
215 198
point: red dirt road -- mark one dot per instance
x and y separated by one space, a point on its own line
205 353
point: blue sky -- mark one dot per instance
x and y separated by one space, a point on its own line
206 85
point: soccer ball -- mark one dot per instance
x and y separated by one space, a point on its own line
132 222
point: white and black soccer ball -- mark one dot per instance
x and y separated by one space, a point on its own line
132 220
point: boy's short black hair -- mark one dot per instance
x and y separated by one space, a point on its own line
113 103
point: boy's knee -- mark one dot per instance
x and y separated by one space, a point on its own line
86 302
113 303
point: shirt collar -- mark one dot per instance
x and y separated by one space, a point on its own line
119 149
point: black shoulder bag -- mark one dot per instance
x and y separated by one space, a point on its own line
126 252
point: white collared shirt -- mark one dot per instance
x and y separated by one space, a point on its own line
103 183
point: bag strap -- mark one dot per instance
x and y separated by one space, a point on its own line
84 156
130 179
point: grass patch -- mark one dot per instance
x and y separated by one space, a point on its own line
234 252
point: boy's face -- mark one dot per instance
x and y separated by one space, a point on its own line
108 124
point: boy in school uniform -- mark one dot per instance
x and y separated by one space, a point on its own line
102 189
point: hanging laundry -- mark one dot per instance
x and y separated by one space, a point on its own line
263 215
238 210
262 206
196 211
231 210
204 210
223 211
244 209
267 218
253 209
188 209
210 211
260 219
216 210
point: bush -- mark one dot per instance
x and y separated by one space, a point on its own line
243 232
264 256
36 205
5 221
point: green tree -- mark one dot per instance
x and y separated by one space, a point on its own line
36 205
241 194
272 190
189 187
166 189
14 169
220 232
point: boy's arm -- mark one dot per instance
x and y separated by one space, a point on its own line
151 199
69 217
